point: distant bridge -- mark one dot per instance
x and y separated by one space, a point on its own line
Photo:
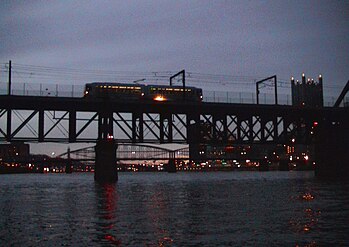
128 151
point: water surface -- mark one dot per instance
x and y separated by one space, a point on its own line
182 209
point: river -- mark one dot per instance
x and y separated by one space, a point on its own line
181 209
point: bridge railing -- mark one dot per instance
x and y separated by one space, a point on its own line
245 98
36 89
58 90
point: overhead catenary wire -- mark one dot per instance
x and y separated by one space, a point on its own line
49 73
24 73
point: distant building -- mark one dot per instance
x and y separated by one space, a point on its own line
307 93
13 150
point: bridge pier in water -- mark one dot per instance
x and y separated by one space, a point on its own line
283 165
68 166
171 166
105 163
332 148
263 165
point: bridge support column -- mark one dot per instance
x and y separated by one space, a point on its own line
283 165
68 166
105 163
332 148
171 166
194 134
263 165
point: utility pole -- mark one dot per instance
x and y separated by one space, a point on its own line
9 78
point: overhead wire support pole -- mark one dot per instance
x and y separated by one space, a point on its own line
257 93
275 88
342 95
183 80
9 77
9 111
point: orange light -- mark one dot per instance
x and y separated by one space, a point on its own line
308 197
160 98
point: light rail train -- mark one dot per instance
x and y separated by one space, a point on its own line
133 92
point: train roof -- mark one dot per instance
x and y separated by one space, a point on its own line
167 86
113 84
134 84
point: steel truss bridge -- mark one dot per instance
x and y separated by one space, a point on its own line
48 119
129 151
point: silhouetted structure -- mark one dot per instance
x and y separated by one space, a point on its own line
195 123
14 150
342 95
307 93
105 164
332 146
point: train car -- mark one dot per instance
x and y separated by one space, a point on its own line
132 92
115 91
172 93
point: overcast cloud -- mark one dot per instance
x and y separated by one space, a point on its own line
255 38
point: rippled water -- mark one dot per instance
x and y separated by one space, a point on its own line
182 209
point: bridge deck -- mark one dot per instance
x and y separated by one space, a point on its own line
160 122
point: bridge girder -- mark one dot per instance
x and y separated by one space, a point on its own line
44 119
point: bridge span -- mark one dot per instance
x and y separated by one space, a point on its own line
62 119
48 119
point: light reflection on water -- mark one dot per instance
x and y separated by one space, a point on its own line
183 209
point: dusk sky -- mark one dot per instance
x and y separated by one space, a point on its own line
238 38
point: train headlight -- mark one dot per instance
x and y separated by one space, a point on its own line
160 98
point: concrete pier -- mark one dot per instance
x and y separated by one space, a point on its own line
332 148
283 165
171 166
68 166
105 163
263 165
